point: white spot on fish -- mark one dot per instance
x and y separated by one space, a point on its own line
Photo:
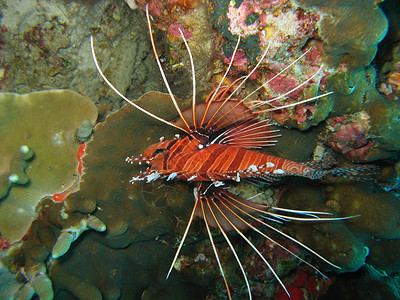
171 176
134 179
279 171
152 177
193 177
218 183
270 165
237 179
253 168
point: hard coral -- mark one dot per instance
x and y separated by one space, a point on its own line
353 285
351 243
350 30
305 285
46 122
15 174
279 24
356 95
332 240
140 218
286 30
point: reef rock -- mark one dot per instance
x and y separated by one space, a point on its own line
45 45
365 126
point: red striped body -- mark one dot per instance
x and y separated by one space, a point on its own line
186 159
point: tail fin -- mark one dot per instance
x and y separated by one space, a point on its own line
352 172
327 162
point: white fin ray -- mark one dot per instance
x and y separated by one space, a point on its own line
162 71
232 248
288 236
184 235
123 97
254 248
215 249
264 235
249 134
193 78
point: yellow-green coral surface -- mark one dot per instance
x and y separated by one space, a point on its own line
45 122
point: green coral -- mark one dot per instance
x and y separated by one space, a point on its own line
351 30
356 91
350 243
16 174
46 122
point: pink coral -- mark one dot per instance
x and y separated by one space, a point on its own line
238 17
272 21
303 112
349 135
281 84
174 30
240 60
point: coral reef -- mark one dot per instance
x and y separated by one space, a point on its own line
294 26
284 32
358 102
333 240
145 221
305 285
46 123
349 135
8 283
350 30
355 241
140 225
379 286
287 29
390 85
15 174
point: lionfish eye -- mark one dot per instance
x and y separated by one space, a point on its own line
159 150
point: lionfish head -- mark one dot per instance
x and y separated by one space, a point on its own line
157 150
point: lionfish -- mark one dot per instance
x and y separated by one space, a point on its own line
219 135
